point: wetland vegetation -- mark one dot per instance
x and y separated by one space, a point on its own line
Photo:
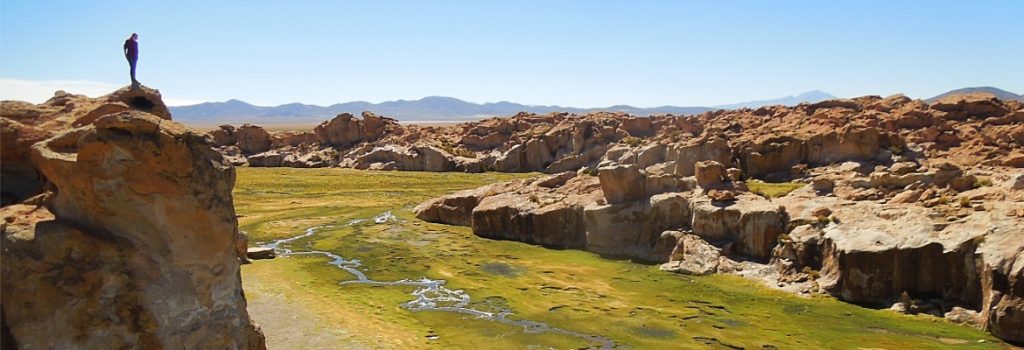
301 302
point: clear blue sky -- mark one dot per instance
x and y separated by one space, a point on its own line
578 53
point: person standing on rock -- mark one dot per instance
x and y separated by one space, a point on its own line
131 52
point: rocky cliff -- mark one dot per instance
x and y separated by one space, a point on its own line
763 142
120 232
898 203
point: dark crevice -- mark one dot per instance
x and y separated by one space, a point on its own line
141 103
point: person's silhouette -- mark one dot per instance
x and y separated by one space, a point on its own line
131 52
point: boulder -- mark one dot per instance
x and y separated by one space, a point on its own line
1017 182
261 253
959 107
733 174
770 154
137 249
633 229
903 168
512 161
294 139
524 218
694 256
882 179
252 139
434 159
687 156
233 155
797 250
709 174
889 103
752 224
312 159
622 183
637 126
650 155
345 130
269 159
224 136
722 195
454 209
963 316
402 158
823 185
342 130
909 196
1014 160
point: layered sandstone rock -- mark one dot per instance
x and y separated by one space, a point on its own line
537 213
252 139
346 130
622 183
951 168
24 124
956 256
136 247
751 224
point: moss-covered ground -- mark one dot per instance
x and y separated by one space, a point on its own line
636 305
772 189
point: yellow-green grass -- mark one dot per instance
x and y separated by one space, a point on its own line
636 305
772 189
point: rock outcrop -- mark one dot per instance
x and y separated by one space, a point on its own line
346 130
24 124
632 178
609 214
252 139
906 203
135 244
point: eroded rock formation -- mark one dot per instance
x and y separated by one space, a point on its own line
905 204
133 244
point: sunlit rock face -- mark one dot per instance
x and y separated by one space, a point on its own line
876 199
133 245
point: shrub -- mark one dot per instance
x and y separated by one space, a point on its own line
823 221
982 181
461 152
772 190
965 202
814 274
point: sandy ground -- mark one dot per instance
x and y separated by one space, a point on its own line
287 326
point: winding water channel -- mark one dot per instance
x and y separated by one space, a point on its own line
430 294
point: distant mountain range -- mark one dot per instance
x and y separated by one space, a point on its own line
426 109
998 93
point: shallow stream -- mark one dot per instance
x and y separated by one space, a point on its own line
430 294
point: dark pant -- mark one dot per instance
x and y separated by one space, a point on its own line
132 63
